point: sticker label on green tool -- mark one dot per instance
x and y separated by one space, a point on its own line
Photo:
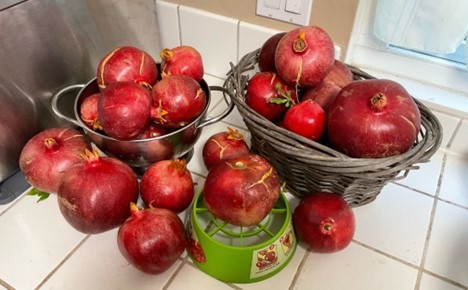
270 258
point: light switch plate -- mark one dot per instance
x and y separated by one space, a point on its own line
292 11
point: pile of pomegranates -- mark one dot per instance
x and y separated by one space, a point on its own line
137 99
98 193
301 87
136 95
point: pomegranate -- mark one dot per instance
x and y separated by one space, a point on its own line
152 239
373 118
304 56
307 119
222 145
124 110
167 184
339 74
47 156
324 221
323 94
89 112
127 63
269 96
190 134
182 60
94 195
266 56
156 149
179 101
326 91
241 189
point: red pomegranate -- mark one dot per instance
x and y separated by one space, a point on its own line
182 60
127 63
304 56
89 112
152 239
241 189
223 144
179 100
167 184
94 196
124 110
324 221
266 56
372 119
49 154
268 95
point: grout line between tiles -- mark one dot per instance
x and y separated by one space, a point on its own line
46 278
431 222
426 244
299 270
177 271
445 279
6 285
386 254
455 132
179 24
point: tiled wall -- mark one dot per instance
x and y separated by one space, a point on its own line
222 40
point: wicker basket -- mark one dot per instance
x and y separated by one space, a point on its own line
306 166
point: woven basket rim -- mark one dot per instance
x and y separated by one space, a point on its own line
429 137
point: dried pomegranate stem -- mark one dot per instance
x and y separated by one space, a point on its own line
50 143
134 208
234 134
91 156
378 101
158 113
179 165
300 44
166 54
326 226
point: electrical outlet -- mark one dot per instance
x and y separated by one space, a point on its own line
292 11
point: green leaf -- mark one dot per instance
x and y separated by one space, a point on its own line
36 192
279 101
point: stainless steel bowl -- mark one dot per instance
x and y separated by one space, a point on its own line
140 153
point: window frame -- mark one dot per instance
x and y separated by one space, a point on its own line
437 82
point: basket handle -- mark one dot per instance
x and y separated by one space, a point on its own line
58 95
222 115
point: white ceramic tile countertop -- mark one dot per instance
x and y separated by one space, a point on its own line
413 236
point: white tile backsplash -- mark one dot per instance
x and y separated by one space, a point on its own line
449 125
252 37
168 21
459 144
214 36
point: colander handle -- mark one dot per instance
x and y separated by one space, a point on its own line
58 95
226 112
